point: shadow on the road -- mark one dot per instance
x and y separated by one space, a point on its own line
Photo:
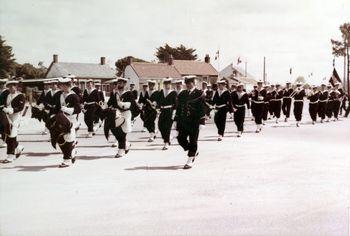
88 158
209 139
94 146
34 141
40 154
32 168
145 149
155 168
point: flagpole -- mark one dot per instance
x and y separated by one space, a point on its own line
245 68
264 73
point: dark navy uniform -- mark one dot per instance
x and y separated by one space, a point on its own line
91 100
298 103
322 104
313 105
222 104
287 102
258 98
239 101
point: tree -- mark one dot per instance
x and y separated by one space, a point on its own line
179 53
340 48
123 62
28 71
7 60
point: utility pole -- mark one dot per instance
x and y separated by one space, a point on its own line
245 69
264 72
348 67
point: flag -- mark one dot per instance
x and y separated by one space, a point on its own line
290 70
334 78
217 54
239 60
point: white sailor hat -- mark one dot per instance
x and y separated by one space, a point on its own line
222 81
266 85
260 81
336 83
122 79
189 78
14 80
70 76
314 86
299 83
167 80
179 81
288 82
151 81
48 82
64 80
329 85
132 83
90 80
278 84
323 84
205 82
3 81
240 85
97 82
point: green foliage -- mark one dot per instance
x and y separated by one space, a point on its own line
339 46
123 62
7 60
179 53
28 71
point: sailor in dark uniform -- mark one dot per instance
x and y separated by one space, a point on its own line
149 112
299 94
322 102
133 90
178 86
222 104
287 101
101 101
43 102
258 96
313 97
267 98
135 93
123 102
240 99
277 102
271 101
329 108
13 105
91 102
166 102
3 93
209 94
335 95
190 118
66 108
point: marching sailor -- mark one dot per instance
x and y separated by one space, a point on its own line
322 102
166 102
75 87
44 101
329 107
149 112
313 97
222 105
119 122
258 96
267 99
240 99
336 97
277 102
178 86
14 102
91 102
190 118
271 101
298 96
287 101
3 93
65 111
101 100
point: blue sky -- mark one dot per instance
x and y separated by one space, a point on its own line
289 33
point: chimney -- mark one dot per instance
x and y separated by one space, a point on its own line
129 60
55 58
207 58
103 60
170 60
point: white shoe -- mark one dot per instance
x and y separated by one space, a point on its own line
165 147
286 119
276 121
121 153
189 163
143 130
239 134
18 151
313 122
298 125
65 163
10 158
152 137
322 121
89 135
220 138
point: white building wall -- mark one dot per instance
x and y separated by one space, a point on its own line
131 75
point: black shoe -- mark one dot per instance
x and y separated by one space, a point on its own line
73 160
63 165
